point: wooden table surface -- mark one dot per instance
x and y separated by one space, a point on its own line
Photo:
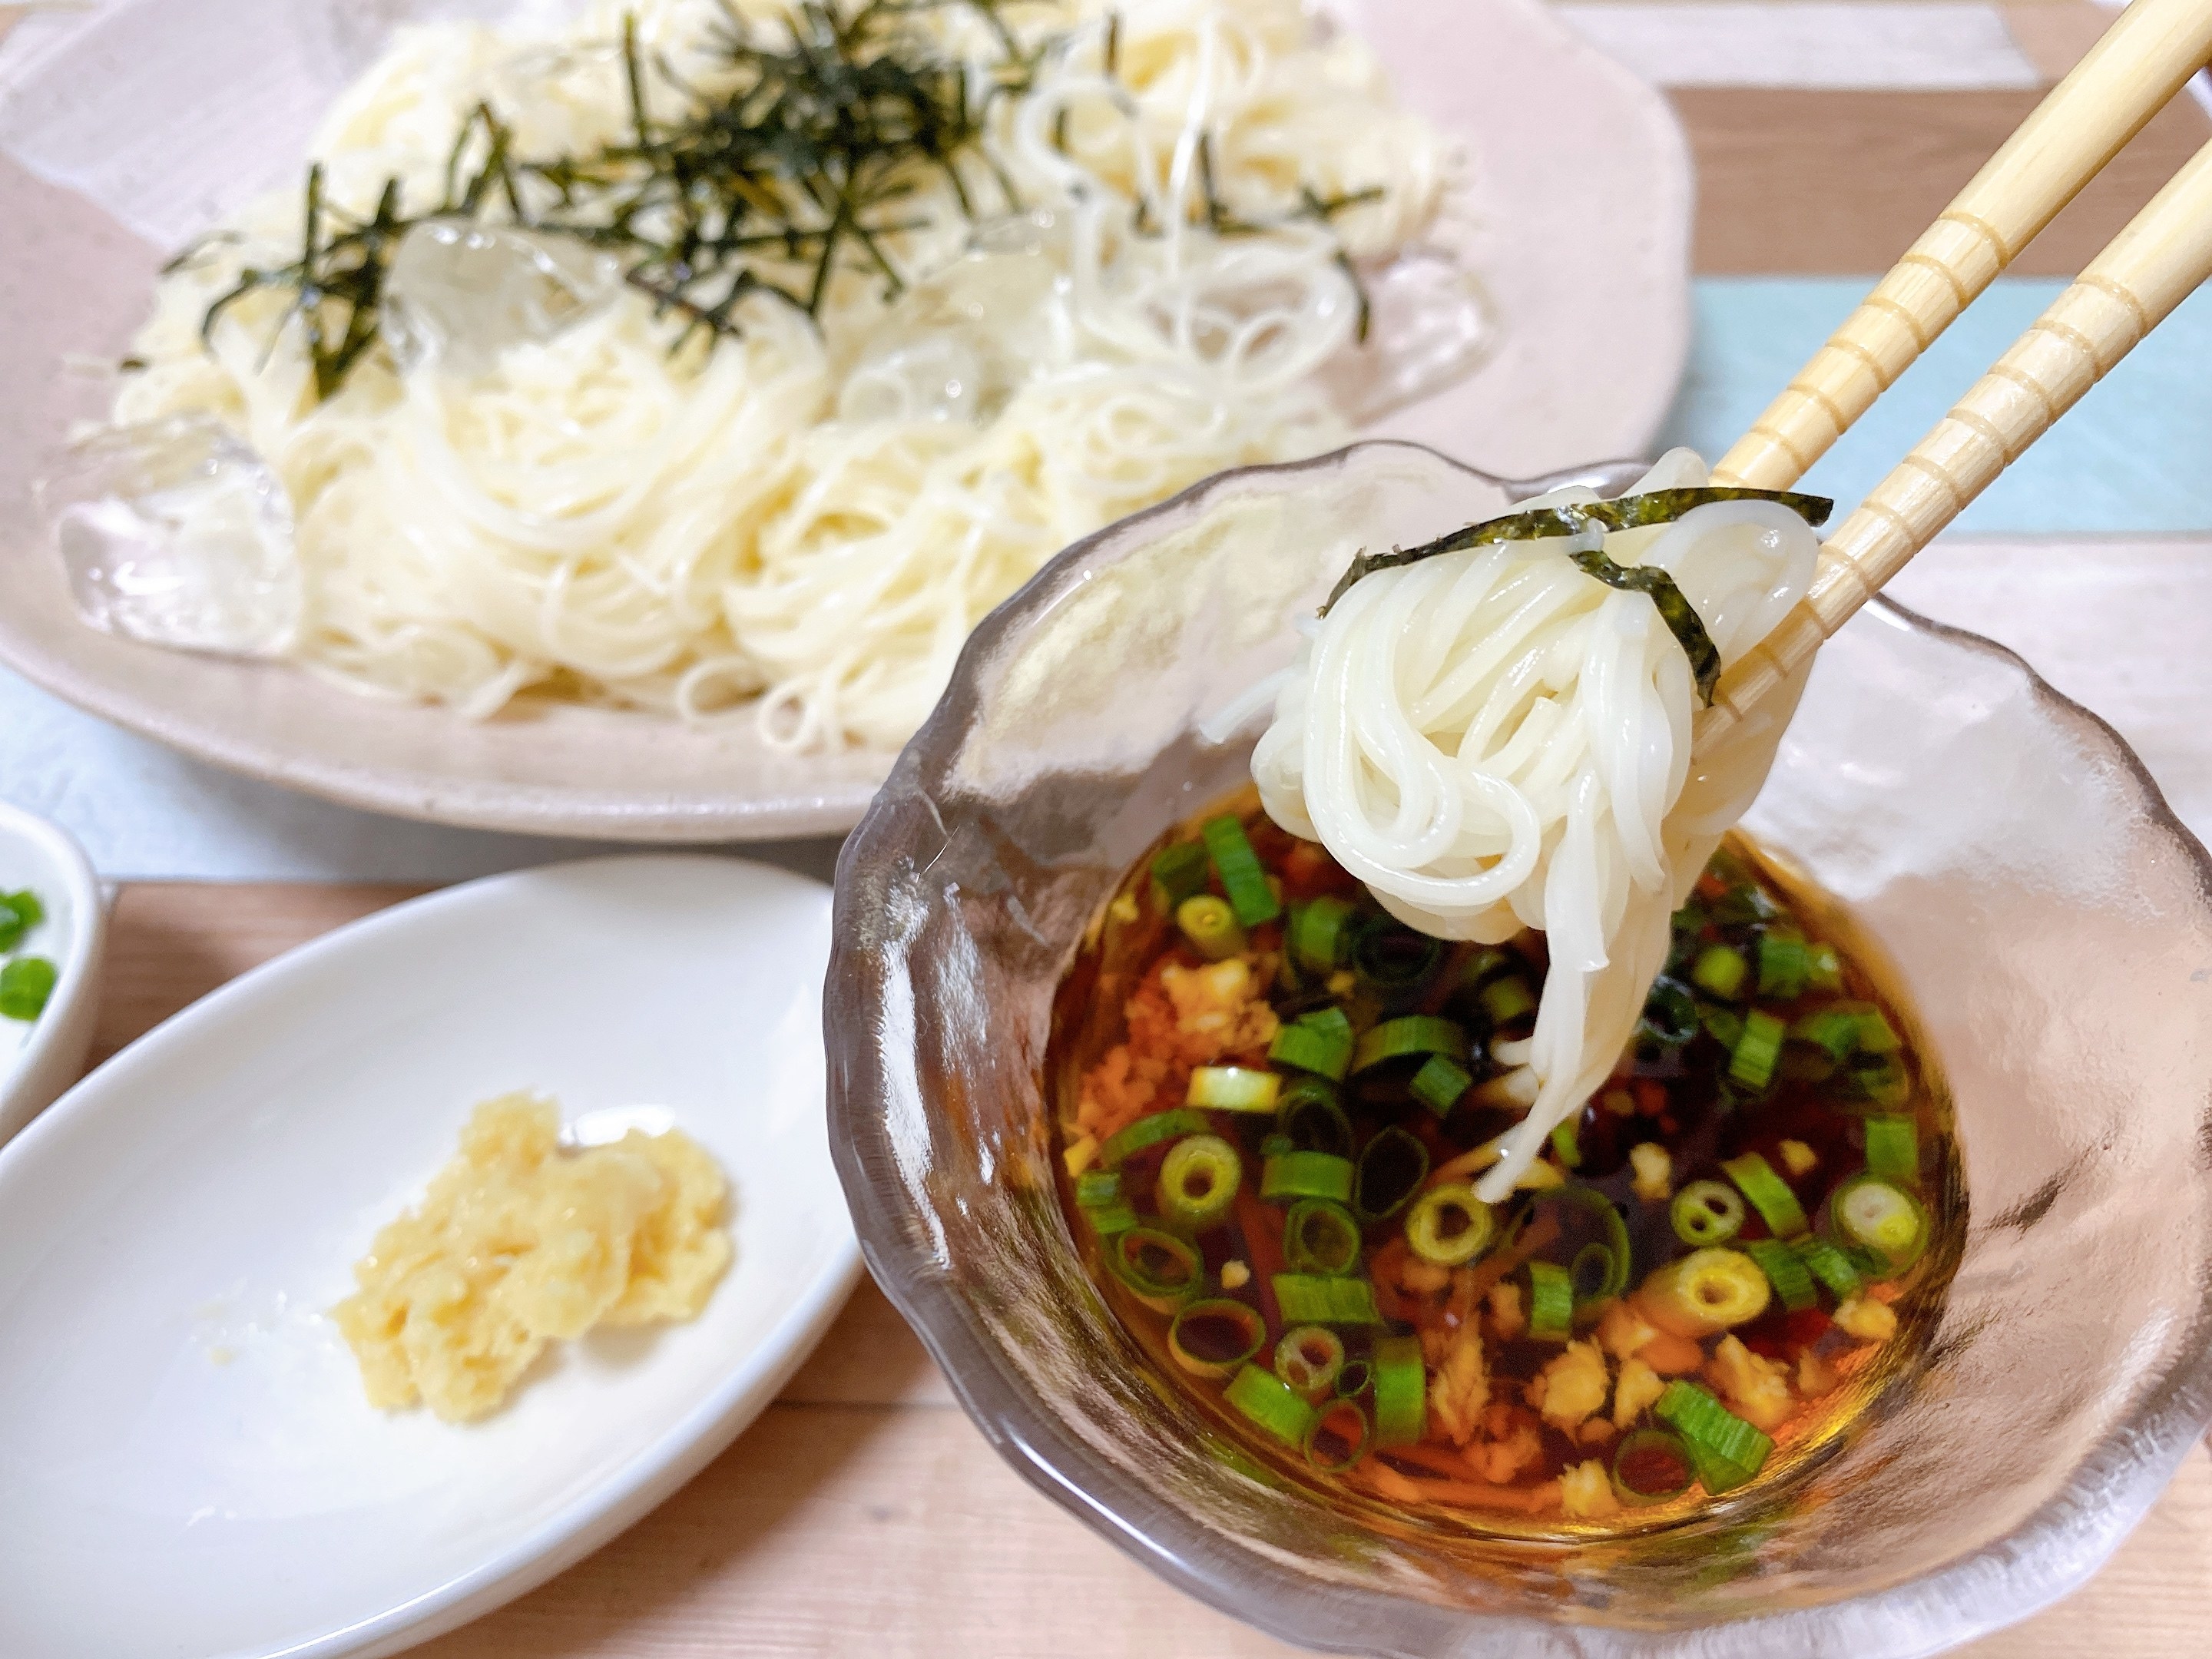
862 1512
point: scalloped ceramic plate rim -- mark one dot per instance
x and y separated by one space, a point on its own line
595 772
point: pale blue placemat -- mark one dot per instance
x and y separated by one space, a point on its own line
2136 456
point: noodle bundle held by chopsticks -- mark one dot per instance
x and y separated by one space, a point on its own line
1495 737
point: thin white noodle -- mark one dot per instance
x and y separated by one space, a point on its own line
795 526
1492 739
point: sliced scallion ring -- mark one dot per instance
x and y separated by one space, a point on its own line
1233 1089
1830 1266
1210 924
1401 1391
1785 1271
1212 1338
1893 1150
1306 1175
1784 961
1506 1000
1449 1225
1704 1293
1440 1083
1243 877
1310 1358
1884 1219
1769 1194
1179 873
1391 1169
1706 1213
1391 960
1320 1237
1551 1301
1355 1379
1325 1299
1338 1436
1650 1465
1198 1182
1162 1271
1270 1403
1319 1043
1415 1034
1726 1450
1149 1132
1309 1117
1321 932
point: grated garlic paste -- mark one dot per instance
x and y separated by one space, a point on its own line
518 1242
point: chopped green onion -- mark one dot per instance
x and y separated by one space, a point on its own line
1594 1268
1416 1033
1882 1078
1566 1142
1876 1035
1670 1013
1110 1219
1706 1213
25 986
1179 873
1600 1209
1272 1404
1354 1380
1401 1391
1239 865
1704 1293
1096 1188
1783 964
1233 1089
1834 1029
1391 1169
1726 1450
1307 1174
1325 1299
1506 1000
1198 1182
1769 1194
1161 1270
1151 1131
1211 927
19 912
1650 1465
1751 1064
1485 965
1313 1046
1309 1117
1886 1220
1785 1270
1310 1358
1321 1237
1724 1025
1893 1150
1830 1266
1824 969
1391 960
1449 1225
1320 932
1744 904
1337 1437
1440 1083
1213 1338
1276 1145
1551 1301
1721 970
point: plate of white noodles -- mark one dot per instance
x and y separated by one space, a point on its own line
610 419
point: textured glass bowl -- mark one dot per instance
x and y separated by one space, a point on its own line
2048 919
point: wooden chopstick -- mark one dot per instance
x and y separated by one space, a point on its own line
2164 254
2142 60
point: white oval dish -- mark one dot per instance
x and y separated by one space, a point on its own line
187 1462
108 149
39 1060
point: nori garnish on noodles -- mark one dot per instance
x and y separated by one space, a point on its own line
1627 513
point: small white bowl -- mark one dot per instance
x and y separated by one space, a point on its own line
189 1465
37 1061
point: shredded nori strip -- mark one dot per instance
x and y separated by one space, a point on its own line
1627 513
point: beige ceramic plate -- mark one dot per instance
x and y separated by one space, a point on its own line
114 138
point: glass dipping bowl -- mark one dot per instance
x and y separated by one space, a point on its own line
2046 918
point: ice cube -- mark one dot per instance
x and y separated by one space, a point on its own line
177 533
959 344
1429 323
459 293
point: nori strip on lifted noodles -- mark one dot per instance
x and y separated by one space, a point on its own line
1628 513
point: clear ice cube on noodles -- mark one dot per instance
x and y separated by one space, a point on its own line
177 533
459 294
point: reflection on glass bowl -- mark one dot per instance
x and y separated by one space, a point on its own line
2036 903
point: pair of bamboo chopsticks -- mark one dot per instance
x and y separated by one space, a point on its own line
2164 253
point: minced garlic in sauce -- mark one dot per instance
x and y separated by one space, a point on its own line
518 1241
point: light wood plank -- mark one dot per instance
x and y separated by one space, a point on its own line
1797 183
